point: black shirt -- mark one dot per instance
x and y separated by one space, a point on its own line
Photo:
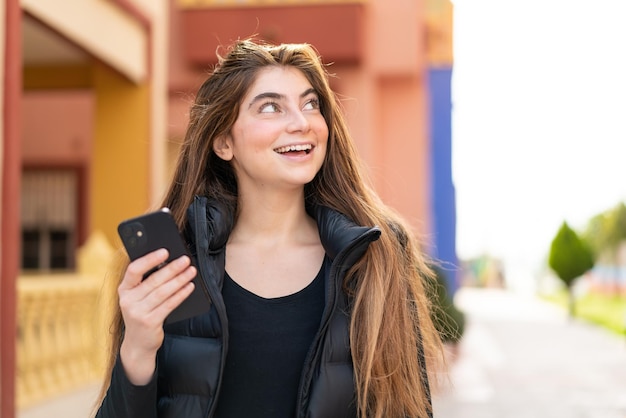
269 340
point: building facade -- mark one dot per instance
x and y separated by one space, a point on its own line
95 100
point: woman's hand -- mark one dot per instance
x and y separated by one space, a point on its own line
145 304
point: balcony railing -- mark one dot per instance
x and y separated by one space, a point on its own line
62 319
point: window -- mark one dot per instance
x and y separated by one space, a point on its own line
48 219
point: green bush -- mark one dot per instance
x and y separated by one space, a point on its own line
449 321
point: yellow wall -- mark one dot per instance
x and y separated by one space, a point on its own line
119 180
439 33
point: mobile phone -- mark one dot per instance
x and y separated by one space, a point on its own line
151 231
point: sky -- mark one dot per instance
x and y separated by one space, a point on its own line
538 122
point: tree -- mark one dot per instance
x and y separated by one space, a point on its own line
606 231
570 258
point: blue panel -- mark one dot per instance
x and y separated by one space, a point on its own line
443 201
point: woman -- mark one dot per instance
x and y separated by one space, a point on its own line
317 301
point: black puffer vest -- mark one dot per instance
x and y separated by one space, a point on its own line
191 360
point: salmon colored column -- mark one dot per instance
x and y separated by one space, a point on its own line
404 149
11 63
398 145
119 178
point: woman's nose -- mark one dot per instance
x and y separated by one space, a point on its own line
298 122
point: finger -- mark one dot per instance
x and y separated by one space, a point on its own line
171 303
166 288
138 268
167 272
169 295
139 302
142 323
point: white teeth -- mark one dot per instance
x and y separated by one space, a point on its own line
294 148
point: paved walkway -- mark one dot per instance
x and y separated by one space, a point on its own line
76 404
519 358
523 358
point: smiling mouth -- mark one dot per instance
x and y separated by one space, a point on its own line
294 149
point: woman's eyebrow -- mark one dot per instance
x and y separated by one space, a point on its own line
307 92
277 96
267 95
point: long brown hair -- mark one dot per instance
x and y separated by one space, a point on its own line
387 285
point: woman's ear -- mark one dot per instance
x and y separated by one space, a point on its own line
222 146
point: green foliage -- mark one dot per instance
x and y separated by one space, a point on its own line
605 231
570 257
449 321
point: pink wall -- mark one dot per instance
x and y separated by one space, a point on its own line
57 127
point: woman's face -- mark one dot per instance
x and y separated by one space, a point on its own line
280 136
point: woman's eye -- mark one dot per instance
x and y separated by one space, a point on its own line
312 104
269 107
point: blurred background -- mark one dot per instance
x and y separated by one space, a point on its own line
538 126
495 127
